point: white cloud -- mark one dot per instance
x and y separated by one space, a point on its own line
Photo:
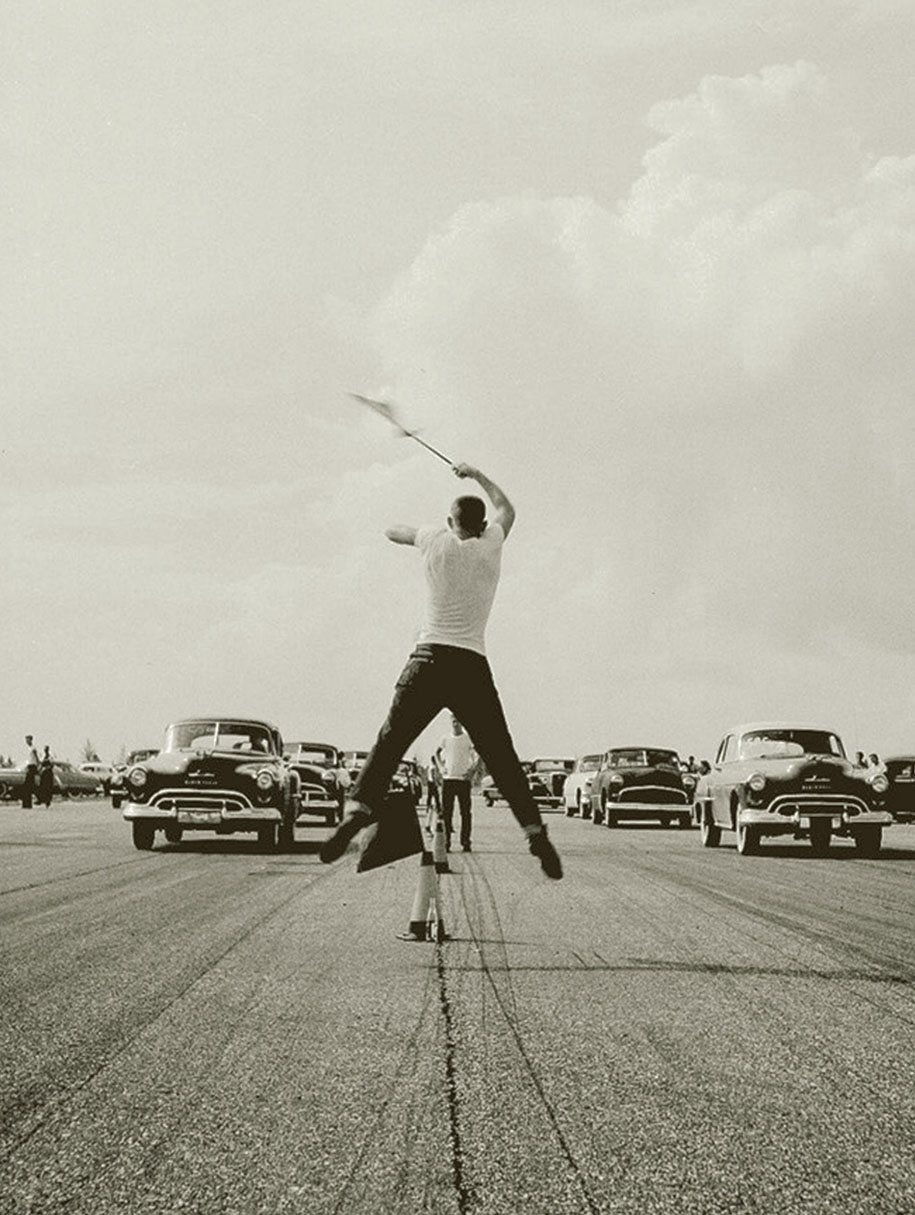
699 396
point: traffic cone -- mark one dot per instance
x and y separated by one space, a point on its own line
422 901
439 847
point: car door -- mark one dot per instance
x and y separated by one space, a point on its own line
718 782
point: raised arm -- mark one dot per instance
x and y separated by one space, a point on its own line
505 512
401 535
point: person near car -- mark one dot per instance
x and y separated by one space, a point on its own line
30 768
45 778
434 785
449 668
458 760
875 766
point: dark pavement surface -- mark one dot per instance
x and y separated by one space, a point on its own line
205 1028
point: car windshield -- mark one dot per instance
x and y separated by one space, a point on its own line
788 742
210 735
304 753
642 757
355 759
590 763
554 765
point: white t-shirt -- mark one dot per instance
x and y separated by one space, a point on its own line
457 756
461 577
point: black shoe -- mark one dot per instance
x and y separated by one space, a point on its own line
541 848
338 841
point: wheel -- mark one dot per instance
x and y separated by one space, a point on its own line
748 838
709 831
173 833
684 820
868 839
611 817
571 811
330 818
285 836
820 835
266 837
598 816
4 791
144 835
585 808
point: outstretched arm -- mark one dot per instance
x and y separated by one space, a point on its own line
505 512
401 535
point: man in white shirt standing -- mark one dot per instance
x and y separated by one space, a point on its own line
457 759
30 766
449 669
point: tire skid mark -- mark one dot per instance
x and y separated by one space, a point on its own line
56 1101
71 877
730 974
508 1007
819 936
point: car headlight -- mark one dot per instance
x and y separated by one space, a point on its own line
880 784
265 780
327 777
757 782
616 779
689 782
138 777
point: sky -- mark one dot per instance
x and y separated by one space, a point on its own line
649 265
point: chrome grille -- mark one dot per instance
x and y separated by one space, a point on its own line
819 803
213 799
652 795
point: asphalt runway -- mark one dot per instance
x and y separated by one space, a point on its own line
205 1028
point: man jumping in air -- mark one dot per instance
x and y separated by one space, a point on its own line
448 669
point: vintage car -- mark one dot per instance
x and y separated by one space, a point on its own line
353 761
785 779
101 772
546 778
900 796
69 782
322 789
640 783
490 790
576 792
222 774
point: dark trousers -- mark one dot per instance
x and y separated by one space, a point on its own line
456 790
440 677
28 788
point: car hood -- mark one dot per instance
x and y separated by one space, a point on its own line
174 764
650 776
806 767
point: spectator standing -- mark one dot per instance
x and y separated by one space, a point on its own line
45 778
457 759
30 766
876 766
433 785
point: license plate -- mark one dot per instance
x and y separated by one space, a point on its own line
200 817
833 820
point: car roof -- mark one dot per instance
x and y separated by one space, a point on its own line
902 755
324 746
241 721
780 725
644 747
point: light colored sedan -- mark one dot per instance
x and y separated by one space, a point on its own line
576 792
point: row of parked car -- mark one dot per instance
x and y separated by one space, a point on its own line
232 775
767 779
